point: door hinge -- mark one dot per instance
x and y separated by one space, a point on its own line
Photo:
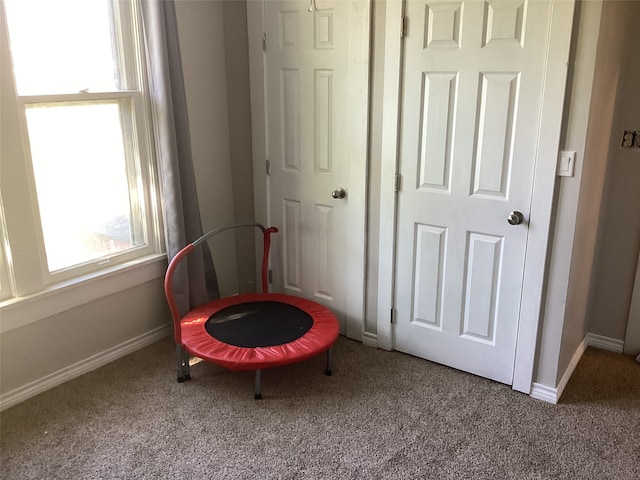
270 276
403 27
268 166
397 182
264 42
392 317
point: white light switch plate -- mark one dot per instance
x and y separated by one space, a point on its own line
566 163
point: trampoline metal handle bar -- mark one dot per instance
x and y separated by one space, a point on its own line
265 257
217 230
267 244
173 264
168 290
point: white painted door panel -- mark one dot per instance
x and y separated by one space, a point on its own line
472 90
313 63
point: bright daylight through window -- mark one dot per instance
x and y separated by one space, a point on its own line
84 138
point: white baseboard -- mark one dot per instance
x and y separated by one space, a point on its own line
552 395
544 393
572 365
605 343
370 339
54 379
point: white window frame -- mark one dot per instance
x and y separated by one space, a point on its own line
29 291
7 287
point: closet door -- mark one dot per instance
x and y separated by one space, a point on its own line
316 107
472 96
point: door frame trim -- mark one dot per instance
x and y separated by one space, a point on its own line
632 334
535 271
388 171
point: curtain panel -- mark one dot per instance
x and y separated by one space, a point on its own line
195 281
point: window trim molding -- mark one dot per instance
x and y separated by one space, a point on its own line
18 312
34 291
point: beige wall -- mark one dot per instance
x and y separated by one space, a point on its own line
573 292
201 30
601 135
216 73
562 327
239 107
601 114
51 345
620 226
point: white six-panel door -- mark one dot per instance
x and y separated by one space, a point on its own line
473 76
316 86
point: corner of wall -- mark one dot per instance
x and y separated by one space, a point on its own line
557 321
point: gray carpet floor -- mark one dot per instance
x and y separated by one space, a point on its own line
381 415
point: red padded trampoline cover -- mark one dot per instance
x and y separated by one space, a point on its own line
197 341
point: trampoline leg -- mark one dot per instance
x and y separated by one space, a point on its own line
258 394
183 364
186 367
328 371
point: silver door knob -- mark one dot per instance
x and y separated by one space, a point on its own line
515 218
339 193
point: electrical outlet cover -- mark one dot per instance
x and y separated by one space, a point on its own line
631 140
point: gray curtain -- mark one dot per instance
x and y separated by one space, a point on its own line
195 281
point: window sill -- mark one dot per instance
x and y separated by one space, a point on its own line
21 311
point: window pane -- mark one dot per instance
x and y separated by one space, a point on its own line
83 181
62 46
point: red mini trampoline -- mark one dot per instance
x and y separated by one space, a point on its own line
251 331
